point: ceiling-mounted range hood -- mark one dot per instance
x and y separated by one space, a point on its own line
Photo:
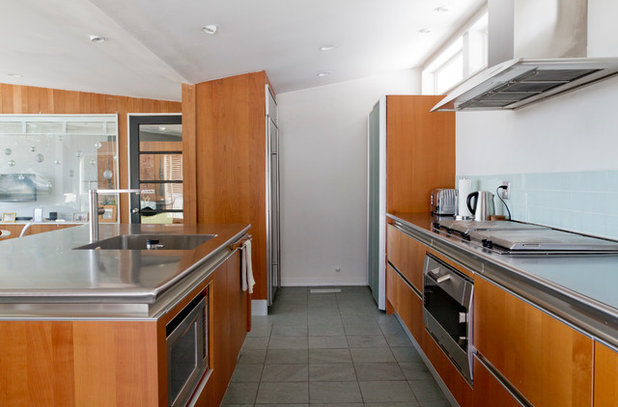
554 42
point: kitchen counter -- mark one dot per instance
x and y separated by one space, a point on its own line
43 273
582 290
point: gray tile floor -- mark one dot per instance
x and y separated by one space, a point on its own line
330 350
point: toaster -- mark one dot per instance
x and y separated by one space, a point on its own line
443 201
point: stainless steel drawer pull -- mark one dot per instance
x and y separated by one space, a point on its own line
444 278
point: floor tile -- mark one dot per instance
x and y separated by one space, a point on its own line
406 354
252 356
395 404
415 371
328 342
372 355
378 371
255 342
332 372
383 391
285 373
326 329
436 403
397 339
289 330
334 392
365 341
282 405
288 342
283 393
284 356
240 393
361 329
322 356
246 372
427 390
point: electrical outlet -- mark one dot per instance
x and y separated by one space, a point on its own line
506 193
338 269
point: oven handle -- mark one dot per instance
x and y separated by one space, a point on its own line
432 274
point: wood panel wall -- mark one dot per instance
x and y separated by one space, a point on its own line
420 150
230 158
16 99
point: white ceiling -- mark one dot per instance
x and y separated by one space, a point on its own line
154 45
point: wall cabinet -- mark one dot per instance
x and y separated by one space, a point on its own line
605 376
548 362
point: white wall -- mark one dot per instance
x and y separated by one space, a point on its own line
324 178
572 132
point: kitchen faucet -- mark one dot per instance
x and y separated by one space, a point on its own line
95 210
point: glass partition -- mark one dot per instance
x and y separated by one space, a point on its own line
49 162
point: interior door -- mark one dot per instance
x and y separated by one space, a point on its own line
156 168
275 221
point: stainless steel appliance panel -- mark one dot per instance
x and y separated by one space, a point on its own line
447 312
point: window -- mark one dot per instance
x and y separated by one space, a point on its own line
458 60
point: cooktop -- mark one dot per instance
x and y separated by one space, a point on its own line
511 237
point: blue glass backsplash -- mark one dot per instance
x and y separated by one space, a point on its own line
585 202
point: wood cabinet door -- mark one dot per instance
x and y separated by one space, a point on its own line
488 391
406 302
548 362
406 254
605 376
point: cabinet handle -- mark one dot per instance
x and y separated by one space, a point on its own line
240 243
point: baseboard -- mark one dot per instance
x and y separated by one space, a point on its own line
432 370
259 307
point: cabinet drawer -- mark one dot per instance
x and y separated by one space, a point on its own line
548 362
488 391
406 302
605 376
406 254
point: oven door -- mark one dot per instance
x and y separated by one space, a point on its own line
447 311
187 355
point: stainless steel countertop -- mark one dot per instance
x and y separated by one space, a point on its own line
45 268
582 290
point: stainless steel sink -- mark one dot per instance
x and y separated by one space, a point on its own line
140 242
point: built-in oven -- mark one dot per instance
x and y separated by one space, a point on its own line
447 311
187 350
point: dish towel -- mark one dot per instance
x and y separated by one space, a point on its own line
247 270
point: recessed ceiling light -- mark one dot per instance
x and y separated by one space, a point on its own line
16 75
441 9
210 29
424 31
327 47
97 39
322 74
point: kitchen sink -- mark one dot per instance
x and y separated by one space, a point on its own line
155 241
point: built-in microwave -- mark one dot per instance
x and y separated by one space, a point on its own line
447 311
187 350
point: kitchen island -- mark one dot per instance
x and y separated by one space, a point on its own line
94 327
542 329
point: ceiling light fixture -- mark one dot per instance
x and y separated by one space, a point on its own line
322 74
97 39
162 128
424 31
210 29
441 9
15 75
327 47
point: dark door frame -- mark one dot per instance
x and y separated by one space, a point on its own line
134 122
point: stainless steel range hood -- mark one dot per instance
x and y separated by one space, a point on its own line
551 45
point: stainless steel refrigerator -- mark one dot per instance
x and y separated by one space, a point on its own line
273 228
376 202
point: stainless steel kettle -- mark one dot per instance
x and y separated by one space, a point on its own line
483 206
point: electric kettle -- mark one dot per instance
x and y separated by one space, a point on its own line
483 206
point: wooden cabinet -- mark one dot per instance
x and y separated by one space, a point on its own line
548 362
406 254
407 303
36 228
225 149
489 391
119 362
605 376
